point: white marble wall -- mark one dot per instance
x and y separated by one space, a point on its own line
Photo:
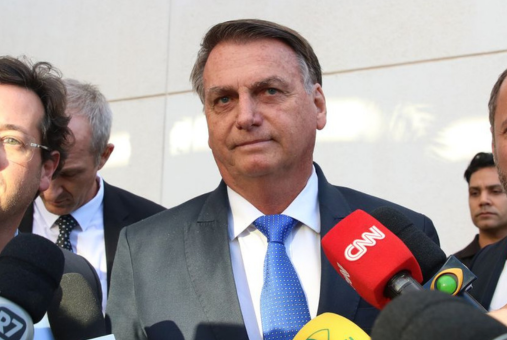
407 85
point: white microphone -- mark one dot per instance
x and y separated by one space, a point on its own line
15 323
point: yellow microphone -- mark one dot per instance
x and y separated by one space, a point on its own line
330 326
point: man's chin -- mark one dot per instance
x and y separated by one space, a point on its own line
57 209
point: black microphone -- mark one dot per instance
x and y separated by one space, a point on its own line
437 316
30 271
76 313
447 275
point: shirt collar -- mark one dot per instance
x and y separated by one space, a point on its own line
304 208
83 215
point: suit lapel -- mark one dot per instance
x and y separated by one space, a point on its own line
336 295
114 215
209 265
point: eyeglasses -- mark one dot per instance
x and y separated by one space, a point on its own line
19 149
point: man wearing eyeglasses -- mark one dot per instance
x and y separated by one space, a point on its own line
33 141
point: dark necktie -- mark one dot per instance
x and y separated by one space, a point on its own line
65 224
284 310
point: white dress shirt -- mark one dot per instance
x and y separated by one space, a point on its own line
87 240
248 249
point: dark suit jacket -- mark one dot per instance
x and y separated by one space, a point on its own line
173 279
121 208
488 265
466 254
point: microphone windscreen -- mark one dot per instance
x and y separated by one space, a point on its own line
434 315
331 326
30 271
75 313
367 255
427 253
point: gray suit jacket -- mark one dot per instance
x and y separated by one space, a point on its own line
172 277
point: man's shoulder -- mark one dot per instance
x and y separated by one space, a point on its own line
359 200
130 199
490 253
177 216
466 254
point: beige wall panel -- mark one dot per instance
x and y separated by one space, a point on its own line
349 35
407 134
402 133
138 135
119 45
406 82
189 168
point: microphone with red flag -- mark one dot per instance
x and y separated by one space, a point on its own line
376 263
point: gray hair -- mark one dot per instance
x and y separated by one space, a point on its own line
86 100
246 30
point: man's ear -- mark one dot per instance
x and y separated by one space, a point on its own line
319 101
48 168
105 155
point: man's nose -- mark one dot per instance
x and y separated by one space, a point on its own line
248 114
54 190
485 198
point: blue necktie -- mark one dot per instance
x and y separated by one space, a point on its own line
284 310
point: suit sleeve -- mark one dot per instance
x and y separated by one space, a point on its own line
122 317
429 229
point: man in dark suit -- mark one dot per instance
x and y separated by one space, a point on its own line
488 205
489 263
196 270
100 210
33 141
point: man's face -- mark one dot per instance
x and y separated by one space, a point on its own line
21 112
76 184
487 200
499 131
261 120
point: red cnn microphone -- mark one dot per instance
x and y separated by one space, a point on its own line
376 263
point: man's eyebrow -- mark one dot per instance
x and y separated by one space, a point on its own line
219 90
13 127
493 186
269 81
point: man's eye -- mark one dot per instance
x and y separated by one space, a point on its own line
224 100
11 141
271 91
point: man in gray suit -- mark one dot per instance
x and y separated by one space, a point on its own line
196 271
